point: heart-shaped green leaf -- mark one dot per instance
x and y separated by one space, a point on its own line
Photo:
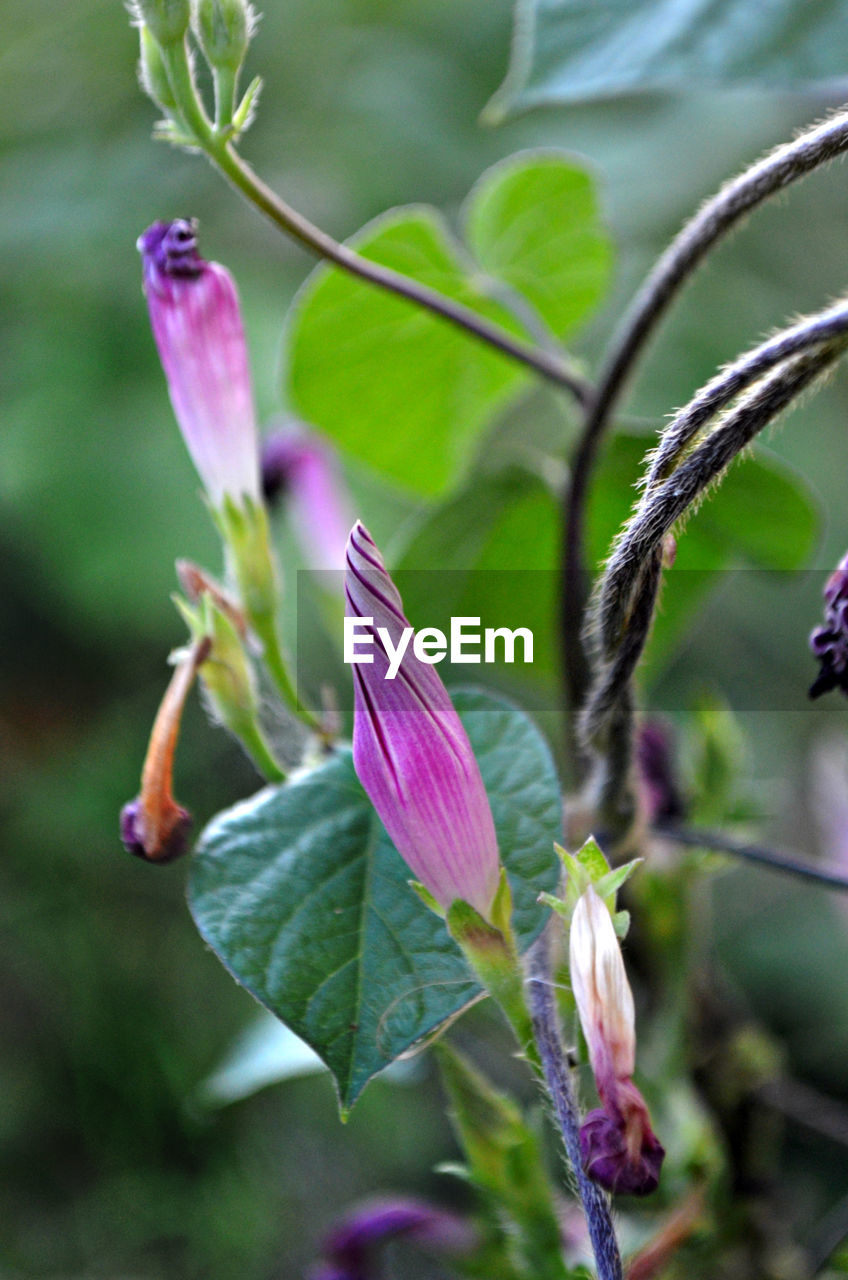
395 386
305 900
533 221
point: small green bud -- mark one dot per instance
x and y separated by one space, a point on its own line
152 73
223 29
167 19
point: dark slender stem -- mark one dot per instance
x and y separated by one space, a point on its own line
785 862
548 364
556 1074
718 216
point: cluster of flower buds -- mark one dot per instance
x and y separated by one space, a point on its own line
412 754
618 1146
348 1246
829 642
222 30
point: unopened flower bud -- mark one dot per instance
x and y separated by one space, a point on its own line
167 19
223 29
619 1148
411 751
301 469
154 826
152 73
829 642
196 319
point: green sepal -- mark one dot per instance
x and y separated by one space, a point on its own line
228 681
245 112
427 898
152 72
589 867
493 956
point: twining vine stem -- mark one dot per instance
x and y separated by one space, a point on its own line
786 164
625 598
555 1069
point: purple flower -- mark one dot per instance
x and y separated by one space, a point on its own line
194 311
348 1245
300 467
829 642
619 1148
410 750
655 762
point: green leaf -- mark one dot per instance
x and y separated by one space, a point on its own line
491 553
762 514
357 356
533 221
305 900
566 52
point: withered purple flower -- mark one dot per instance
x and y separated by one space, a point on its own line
618 1146
153 825
196 320
411 752
829 642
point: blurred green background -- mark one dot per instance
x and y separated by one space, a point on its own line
112 1012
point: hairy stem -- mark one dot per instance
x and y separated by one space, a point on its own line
624 604
556 1077
785 165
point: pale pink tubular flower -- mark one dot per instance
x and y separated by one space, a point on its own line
618 1146
196 319
301 469
411 752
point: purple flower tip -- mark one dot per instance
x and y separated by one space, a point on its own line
620 1150
197 326
829 643
165 846
170 249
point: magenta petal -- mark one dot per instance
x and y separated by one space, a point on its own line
196 320
412 754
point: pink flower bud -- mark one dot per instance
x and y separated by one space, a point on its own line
619 1148
411 752
194 311
301 469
